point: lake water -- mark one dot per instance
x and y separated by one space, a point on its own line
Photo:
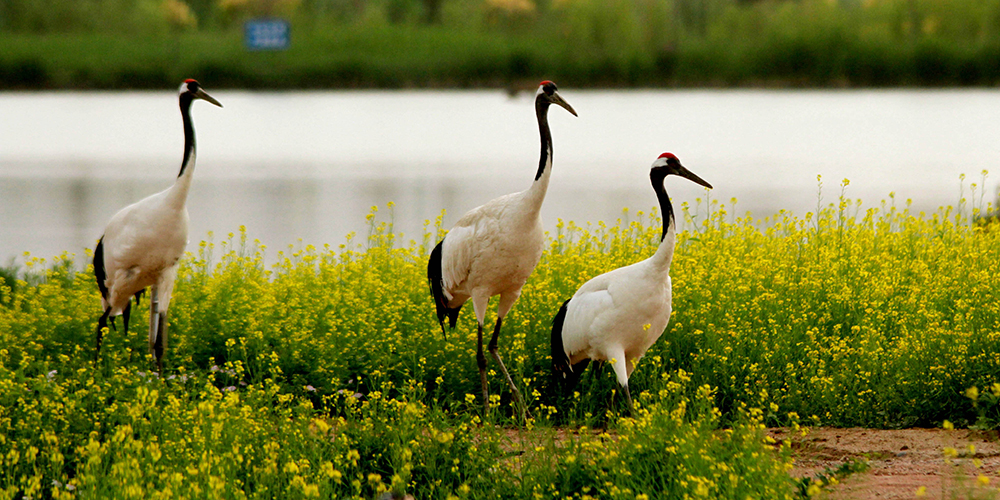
310 165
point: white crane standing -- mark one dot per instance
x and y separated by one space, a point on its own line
618 315
494 248
143 243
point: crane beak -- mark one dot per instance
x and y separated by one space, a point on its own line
557 99
201 94
687 174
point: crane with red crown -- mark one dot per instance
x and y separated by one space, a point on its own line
143 243
618 315
493 249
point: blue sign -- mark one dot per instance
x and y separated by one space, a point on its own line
267 34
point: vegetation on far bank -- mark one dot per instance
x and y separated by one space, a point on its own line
502 43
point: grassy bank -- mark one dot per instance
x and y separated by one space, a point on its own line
342 58
582 43
326 374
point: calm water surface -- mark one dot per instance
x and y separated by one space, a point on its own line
310 165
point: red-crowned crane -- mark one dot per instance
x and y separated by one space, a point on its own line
143 243
618 315
493 249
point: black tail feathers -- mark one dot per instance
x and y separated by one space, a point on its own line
567 374
99 272
560 361
436 280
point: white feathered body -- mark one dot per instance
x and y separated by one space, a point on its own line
493 249
143 243
620 314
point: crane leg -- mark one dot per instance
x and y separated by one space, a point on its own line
495 352
161 340
628 398
125 315
620 364
102 324
154 319
481 362
573 379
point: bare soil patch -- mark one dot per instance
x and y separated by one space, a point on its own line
901 461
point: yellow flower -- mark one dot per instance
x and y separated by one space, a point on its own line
972 393
321 425
814 489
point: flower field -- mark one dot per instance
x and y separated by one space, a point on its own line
327 376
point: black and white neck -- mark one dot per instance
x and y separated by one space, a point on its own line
665 251
668 164
189 91
657 177
186 98
546 95
542 113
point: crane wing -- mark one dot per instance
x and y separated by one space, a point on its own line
595 312
143 238
456 258
581 325
122 237
472 235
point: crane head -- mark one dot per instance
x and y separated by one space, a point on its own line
668 164
193 88
548 93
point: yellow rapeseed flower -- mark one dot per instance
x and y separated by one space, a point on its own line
972 393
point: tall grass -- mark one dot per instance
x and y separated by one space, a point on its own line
326 374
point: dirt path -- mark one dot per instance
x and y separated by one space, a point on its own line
901 462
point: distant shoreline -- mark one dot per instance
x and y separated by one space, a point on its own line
434 57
